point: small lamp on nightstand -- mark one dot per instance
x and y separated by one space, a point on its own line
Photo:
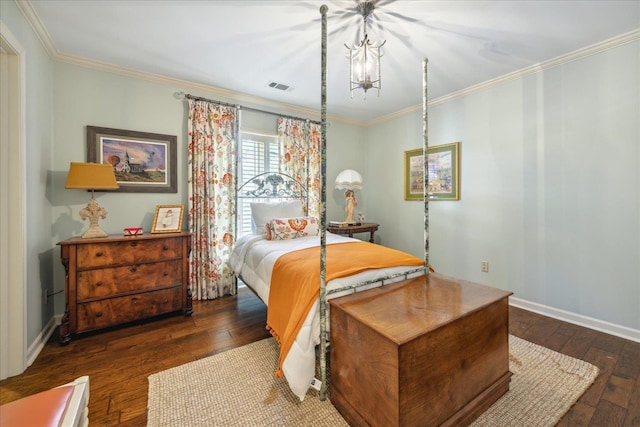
349 180
92 176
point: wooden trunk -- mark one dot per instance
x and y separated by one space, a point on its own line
427 351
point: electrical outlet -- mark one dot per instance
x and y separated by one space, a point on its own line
484 266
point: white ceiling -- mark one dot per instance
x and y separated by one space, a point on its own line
243 45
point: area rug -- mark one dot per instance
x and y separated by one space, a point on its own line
237 388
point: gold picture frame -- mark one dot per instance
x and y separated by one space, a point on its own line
443 168
168 219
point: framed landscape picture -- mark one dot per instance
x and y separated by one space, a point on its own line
142 162
443 170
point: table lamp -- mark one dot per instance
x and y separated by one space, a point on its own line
92 176
349 180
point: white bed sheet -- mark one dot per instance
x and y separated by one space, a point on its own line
253 259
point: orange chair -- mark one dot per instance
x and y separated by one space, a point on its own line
64 406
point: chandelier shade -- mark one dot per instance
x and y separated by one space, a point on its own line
364 58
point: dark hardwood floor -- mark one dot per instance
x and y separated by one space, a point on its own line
118 362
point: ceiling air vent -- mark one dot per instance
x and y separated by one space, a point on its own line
279 86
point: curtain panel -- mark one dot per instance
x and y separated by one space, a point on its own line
300 156
212 133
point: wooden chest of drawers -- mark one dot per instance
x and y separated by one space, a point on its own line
428 351
115 280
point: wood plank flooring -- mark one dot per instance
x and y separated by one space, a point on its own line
118 362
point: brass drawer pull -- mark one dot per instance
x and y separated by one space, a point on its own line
98 254
165 247
99 314
166 300
134 299
134 244
165 274
99 283
133 269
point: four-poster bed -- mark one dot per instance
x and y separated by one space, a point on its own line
254 258
460 312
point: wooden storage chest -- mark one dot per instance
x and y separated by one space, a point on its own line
115 280
428 351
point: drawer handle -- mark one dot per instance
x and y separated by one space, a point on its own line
99 283
165 247
99 314
165 274
99 253
166 300
134 299
134 244
133 269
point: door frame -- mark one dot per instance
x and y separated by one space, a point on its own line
13 231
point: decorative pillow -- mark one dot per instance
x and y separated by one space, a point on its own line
292 228
262 213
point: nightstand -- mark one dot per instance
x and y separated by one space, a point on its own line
349 230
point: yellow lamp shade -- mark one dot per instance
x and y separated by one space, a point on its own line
91 176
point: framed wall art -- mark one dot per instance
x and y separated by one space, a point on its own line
413 174
143 162
167 219
443 171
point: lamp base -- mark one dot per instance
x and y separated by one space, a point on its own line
93 211
94 232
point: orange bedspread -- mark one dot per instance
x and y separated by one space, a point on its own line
295 282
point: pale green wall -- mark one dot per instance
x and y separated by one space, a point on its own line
85 96
39 147
550 186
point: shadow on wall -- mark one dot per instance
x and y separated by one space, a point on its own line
47 285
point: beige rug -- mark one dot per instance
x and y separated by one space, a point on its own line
237 388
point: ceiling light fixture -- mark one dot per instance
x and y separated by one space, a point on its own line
364 59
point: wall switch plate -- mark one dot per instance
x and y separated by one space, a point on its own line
484 266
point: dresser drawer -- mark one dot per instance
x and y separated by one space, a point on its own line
105 282
126 252
115 311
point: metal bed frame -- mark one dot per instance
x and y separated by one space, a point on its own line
270 185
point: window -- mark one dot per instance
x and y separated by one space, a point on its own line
258 153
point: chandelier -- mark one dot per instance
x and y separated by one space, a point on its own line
364 59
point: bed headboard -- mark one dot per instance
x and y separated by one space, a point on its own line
272 185
267 187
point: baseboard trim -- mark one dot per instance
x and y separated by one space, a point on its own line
38 344
578 319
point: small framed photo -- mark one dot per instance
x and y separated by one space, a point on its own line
168 219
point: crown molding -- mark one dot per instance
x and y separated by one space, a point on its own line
200 89
34 20
555 62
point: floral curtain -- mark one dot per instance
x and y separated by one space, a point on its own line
212 132
300 156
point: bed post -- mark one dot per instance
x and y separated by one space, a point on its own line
425 159
323 206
